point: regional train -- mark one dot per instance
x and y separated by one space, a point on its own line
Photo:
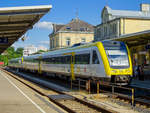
108 61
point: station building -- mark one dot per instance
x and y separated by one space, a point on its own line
66 35
132 27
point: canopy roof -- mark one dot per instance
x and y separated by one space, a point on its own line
136 39
15 21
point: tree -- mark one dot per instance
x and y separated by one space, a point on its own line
11 53
10 50
19 51
41 51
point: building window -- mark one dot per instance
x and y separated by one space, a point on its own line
105 31
68 28
82 29
50 43
83 40
114 28
57 42
86 29
53 43
68 41
111 29
99 32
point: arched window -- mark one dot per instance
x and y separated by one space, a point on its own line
68 41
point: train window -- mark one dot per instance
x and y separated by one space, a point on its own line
95 59
57 60
82 59
46 60
63 61
68 59
77 59
53 60
35 60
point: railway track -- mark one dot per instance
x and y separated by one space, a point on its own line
66 101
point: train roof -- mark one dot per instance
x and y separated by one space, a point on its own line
74 49
69 50
63 51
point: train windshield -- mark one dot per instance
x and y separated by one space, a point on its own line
117 54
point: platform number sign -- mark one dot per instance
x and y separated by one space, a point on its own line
3 40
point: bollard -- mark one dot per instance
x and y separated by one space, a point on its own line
89 86
132 97
112 89
98 89
79 85
71 84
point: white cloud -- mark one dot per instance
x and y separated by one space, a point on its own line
22 45
40 47
44 42
44 25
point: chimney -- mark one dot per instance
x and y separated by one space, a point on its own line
145 7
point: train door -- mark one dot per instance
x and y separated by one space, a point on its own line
97 67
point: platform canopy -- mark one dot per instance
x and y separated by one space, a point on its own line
15 21
136 39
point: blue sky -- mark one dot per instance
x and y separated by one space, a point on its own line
63 11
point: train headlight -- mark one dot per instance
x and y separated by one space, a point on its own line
128 71
114 71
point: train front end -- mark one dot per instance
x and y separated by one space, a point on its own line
119 61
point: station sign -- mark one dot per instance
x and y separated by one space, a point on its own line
3 40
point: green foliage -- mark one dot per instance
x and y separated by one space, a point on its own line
19 51
40 51
11 53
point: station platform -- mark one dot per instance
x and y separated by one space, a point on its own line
17 98
141 84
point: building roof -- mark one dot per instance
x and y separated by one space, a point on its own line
127 13
15 21
74 25
56 27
